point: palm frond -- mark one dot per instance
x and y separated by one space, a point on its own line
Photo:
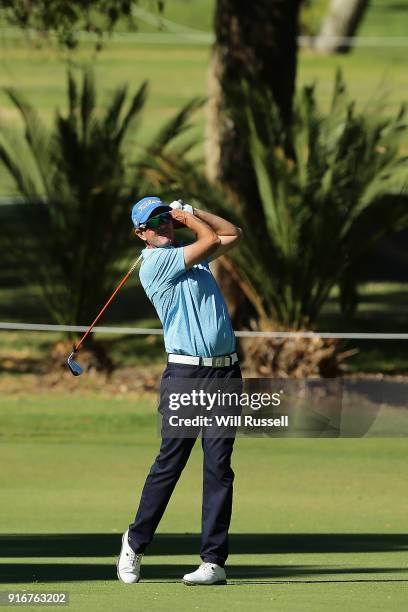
177 125
111 120
324 187
73 101
80 237
136 106
36 135
88 99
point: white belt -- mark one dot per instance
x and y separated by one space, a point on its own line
216 362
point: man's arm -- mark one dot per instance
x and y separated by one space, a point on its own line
207 239
228 233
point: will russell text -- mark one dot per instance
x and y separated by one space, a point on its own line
229 421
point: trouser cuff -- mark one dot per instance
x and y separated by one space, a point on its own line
213 559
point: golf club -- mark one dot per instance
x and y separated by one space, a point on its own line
74 365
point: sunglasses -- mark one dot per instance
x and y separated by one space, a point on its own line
155 222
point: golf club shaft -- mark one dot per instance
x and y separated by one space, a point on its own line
123 281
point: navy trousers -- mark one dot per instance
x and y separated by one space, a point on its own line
218 479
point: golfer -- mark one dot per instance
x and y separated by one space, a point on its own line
200 343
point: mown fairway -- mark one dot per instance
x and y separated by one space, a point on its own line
320 516
177 73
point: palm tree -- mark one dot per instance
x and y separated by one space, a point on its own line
330 187
78 182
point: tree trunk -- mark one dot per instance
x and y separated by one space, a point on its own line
255 42
340 25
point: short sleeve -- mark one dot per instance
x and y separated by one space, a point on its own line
162 267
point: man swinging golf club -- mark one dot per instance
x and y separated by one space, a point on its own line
200 343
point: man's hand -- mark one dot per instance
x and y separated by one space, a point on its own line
179 205
179 217
176 205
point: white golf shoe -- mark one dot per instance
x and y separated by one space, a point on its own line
128 564
207 573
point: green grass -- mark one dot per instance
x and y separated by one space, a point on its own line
161 595
62 446
358 594
76 464
385 18
177 73
197 15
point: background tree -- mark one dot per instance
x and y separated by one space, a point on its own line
256 42
65 17
341 23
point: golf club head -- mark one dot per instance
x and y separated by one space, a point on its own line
74 366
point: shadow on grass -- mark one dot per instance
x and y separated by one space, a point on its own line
393 6
139 350
389 299
106 545
61 572
19 365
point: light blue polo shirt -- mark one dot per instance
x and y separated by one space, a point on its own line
189 304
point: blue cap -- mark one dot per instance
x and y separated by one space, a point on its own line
142 210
